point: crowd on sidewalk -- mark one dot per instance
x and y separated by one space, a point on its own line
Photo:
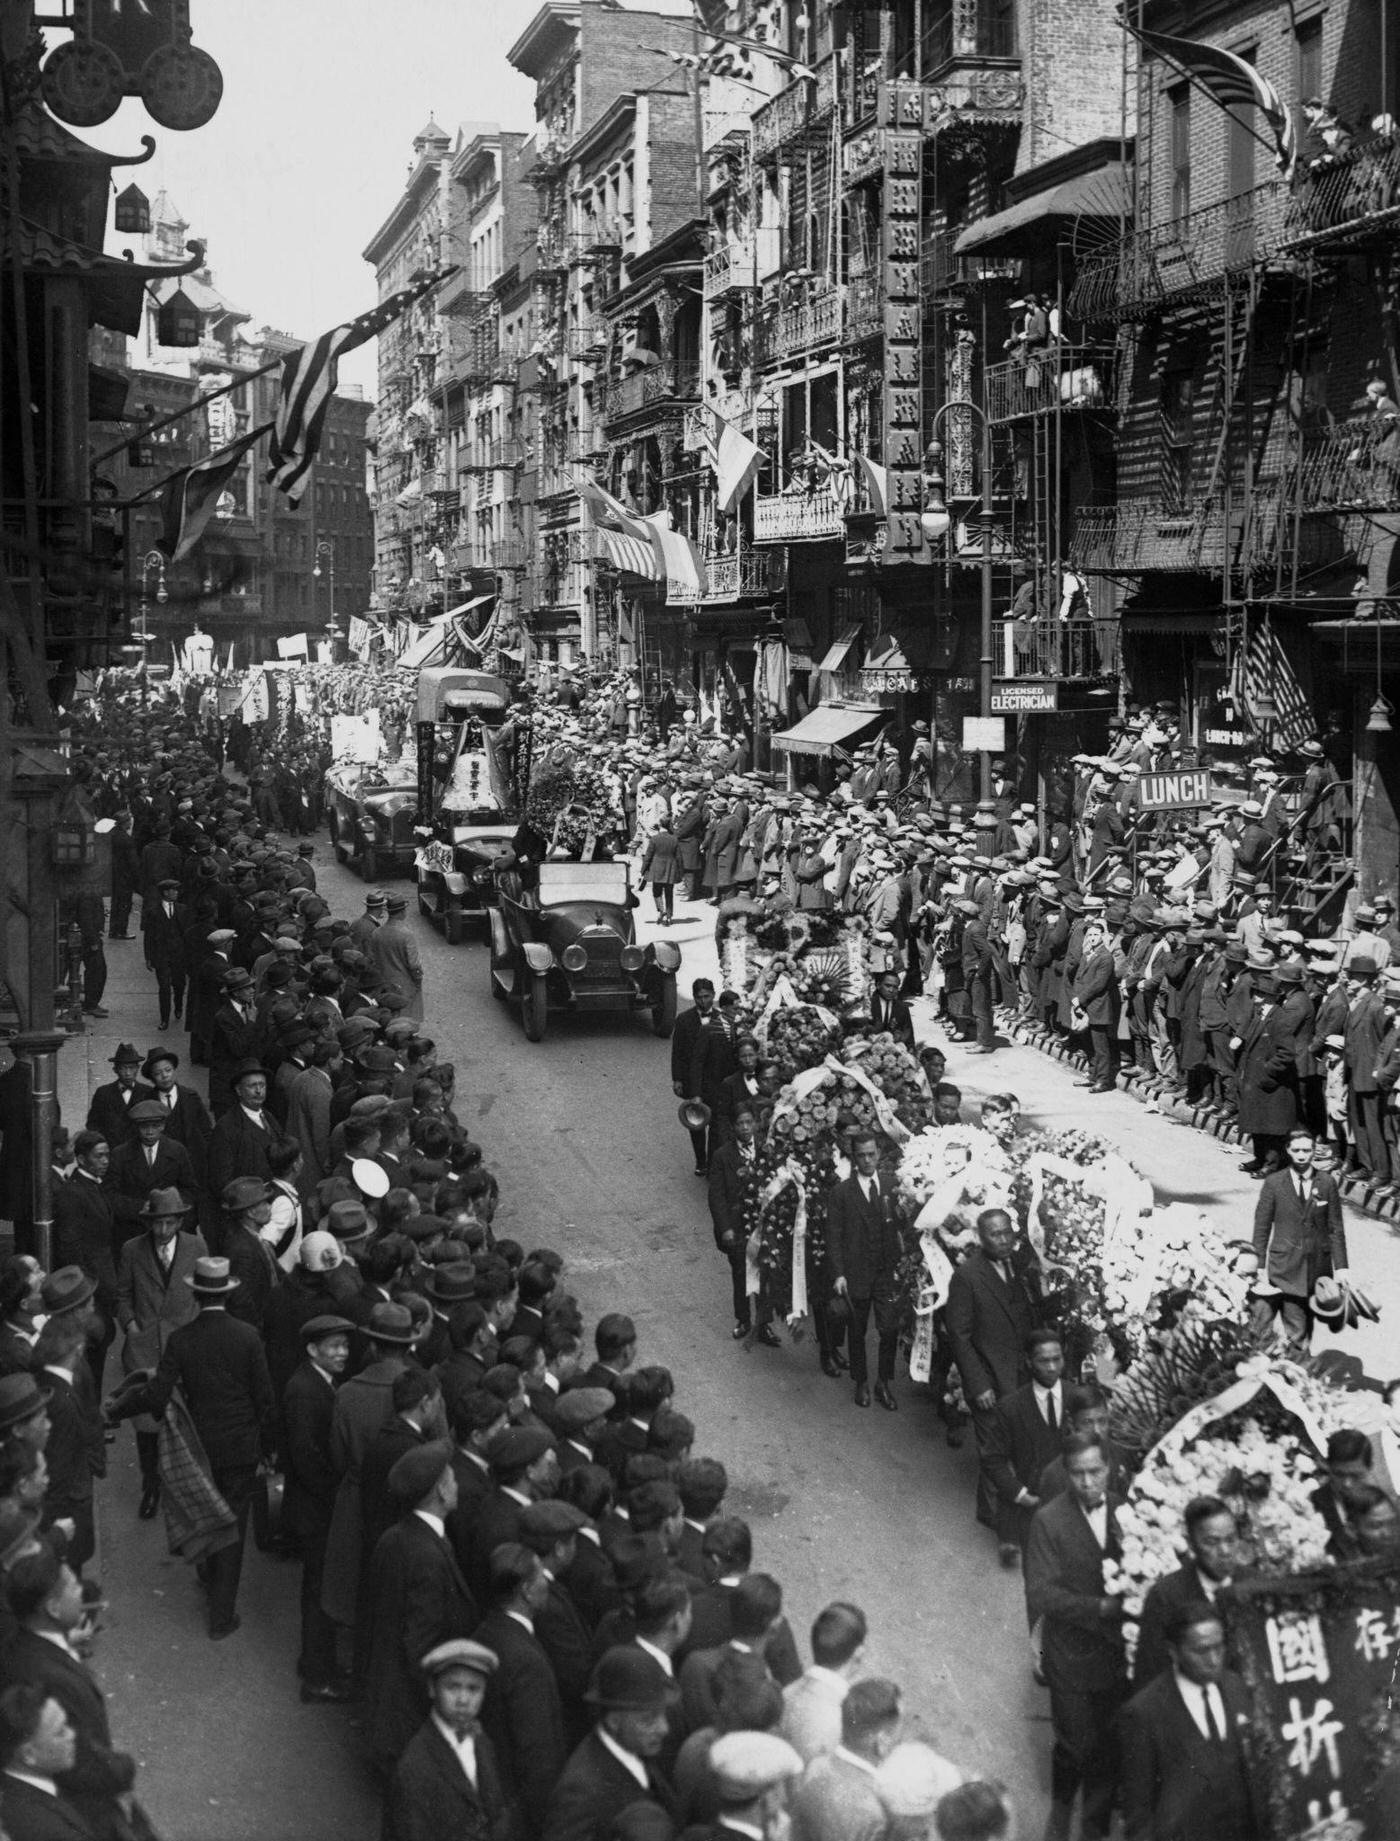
513 1560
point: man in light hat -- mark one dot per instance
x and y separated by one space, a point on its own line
751 1773
447 1783
221 1371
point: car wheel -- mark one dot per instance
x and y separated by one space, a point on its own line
534 1011
337 848
663 1011
454 926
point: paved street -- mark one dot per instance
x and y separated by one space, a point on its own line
583 1132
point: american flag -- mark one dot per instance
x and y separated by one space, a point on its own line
309 378
191 496
1233 82
1262 667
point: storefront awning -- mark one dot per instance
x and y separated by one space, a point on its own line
836 656
1103 193
830 726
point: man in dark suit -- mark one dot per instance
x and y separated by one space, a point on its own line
1096 992
632 1696
37 1746
1082 1652
110 1109
219 1366
1026 1433
1213 1537
308 1409
863 1247
688 1058
990 1313
416 1598
1298 1236
153 1300
432 1795
46 1597
206 991
233 1037
1185 1741
245 1132
17 1141
417 1418
889 1012
149 1162
522 1713
85 1233
164 923
739 1090
732 1166
187 1120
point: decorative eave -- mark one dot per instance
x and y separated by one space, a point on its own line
406 211
547 34
115 286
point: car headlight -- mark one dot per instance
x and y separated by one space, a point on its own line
632 958
574 957
481 875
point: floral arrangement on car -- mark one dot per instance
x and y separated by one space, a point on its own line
566 802
1257 1444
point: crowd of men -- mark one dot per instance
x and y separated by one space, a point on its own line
514 1563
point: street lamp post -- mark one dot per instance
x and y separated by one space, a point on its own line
153 559
325 551
936 522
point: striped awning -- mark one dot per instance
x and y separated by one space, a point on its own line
635 555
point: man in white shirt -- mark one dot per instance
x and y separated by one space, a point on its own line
447 1781
812 1704
613 1767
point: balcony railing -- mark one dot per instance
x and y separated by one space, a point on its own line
588 340
669 380
730 267
802 108
493 456
1187 258
1347 468
1142 535
747 575
1066 650
797 517
815 319
1347 202
952 36
1072 376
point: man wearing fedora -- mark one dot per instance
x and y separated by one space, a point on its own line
247 1209
1299 1237
187 1120
110 1109
153 1300
150 1161
233 1036
615 1766
246 1131
308 1411
219 1366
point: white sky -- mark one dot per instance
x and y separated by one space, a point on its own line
312 140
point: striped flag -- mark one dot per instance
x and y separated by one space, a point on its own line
1233 82
192 495
628 542
1262 666
309 378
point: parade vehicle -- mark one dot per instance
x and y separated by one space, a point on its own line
465 805
569 943
371 813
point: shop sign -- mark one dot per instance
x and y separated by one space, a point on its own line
878 681
1318 1653
1174 792
983 734
1015 697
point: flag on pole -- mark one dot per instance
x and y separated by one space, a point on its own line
192 495
723 55
628 541
1231 81
733 457
309 377
683 567
876 482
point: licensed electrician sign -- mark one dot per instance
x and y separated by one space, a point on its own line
1174 792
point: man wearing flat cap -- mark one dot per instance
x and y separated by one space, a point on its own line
523 1469
151 1160
415 1598
446 1786
751 1773
615 1766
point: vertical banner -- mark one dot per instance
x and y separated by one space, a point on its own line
1319 1653
903 381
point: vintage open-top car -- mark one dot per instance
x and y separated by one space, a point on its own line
371 816
465 800
570 944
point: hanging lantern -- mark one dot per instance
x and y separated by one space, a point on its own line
140 453
133 212
1378 722
179 321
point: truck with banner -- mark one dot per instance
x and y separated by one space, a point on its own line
466 815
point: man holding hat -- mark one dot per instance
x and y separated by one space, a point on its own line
614 1767
415 1598
221 1371
308 1411
1299 1236
153 1300
446 1786
110 1110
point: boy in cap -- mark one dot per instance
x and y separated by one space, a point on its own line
447 1783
